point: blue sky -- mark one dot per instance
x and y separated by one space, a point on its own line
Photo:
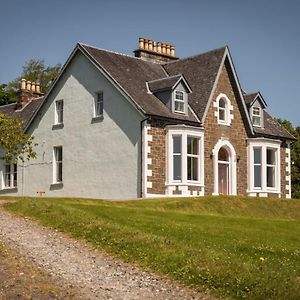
263 36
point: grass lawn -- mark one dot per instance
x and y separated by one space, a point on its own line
235 247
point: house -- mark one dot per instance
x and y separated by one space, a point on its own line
118 126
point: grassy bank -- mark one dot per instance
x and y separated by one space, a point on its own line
235 247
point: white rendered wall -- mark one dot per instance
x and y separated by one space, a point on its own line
100 159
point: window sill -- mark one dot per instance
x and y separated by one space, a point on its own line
9 190
56 186
223 123
188 183
58 126
269 191
97 119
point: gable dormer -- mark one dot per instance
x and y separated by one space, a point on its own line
172 91
256 106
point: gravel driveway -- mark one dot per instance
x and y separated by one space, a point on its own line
94 274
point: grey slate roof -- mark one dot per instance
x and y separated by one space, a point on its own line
272 129
132 74
163 83
24 114
200 71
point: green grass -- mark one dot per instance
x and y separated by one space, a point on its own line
234 247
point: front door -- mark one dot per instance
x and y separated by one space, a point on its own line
223 178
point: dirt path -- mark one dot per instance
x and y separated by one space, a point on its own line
93 274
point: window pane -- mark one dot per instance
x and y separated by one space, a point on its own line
223 155
192 168
192 145
178 95
60 111
257 155
177 167
270 176
221 114
99 104
179 106
256 111
176 144
270 157
257 176
222 103
256 120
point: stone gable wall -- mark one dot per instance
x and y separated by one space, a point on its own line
235 134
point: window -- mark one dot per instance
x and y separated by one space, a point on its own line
256 116
177 157
192 158
271 167
257 167
59 112
265 166
10 176
179 104
99 104
57 165
222 110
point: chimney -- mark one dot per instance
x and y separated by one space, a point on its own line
155 51
29 91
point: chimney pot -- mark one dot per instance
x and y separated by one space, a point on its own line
33 86
168 49
146 44
141 43
37 87
158 47
23 84
28 85
172 51
150 45
163 49
154 47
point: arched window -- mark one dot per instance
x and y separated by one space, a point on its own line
222 109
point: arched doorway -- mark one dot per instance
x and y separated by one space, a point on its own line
223 171
224 164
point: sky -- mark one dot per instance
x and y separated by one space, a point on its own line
263 37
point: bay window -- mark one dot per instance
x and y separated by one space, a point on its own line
264 163
185 161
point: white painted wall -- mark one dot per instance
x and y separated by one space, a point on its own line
100 159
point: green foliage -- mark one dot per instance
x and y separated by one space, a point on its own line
7 95
35 70
295 157
14 143
236 247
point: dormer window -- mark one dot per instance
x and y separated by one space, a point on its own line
179 103
256 116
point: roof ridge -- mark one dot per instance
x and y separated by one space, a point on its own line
118 53
193 56
14 103
167 77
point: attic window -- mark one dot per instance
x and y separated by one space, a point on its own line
179 103
256 116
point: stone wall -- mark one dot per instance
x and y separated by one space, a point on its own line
235 133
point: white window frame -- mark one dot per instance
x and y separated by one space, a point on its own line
264 144
227 109
258 116
197 156
175 99
185 132
13 176
56 164
59 112
261 167
98 104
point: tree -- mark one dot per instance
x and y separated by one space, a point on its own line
295 156
7 95
14 143
35 70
